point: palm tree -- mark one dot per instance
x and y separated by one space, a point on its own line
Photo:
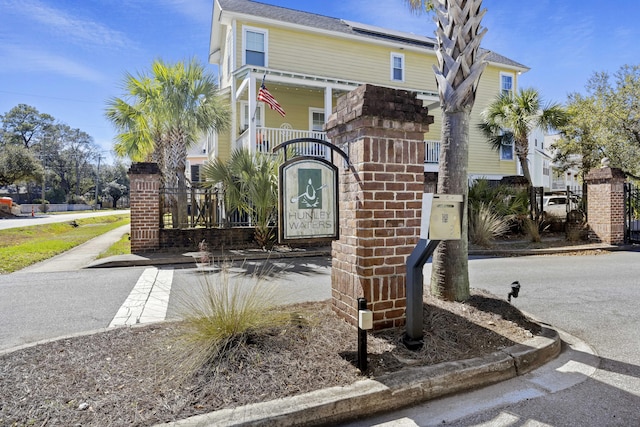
460 65
250 184
510 119
170 108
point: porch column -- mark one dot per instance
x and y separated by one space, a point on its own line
380 199
253 103
328 102
605 205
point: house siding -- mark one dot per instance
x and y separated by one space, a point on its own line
307 53
324 55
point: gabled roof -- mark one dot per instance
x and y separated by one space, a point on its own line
253 9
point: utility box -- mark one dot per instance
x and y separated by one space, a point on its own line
365 319
446 217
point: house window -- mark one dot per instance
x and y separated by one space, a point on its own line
506 151
506 84
316 119
245 118
397 67
255 46
195 173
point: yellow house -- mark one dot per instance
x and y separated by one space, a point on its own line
308 60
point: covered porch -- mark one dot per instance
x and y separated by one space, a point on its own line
307 100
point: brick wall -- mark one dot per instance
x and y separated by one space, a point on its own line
145 207
380 199
605 209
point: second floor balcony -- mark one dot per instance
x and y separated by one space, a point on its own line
268 138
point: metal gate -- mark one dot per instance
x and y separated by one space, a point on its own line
632 213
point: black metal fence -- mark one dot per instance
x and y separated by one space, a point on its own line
632 213
201 208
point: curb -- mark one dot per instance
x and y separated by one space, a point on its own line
136 261
243 255
394 391
551 251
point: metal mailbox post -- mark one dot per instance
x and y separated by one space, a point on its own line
441 220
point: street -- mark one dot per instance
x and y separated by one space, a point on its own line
25 221
43 305
591 297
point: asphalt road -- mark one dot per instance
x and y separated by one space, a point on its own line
36 304
25 221
594 298
591 297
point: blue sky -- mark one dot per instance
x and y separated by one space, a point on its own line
67 57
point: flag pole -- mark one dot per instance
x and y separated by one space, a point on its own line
253 119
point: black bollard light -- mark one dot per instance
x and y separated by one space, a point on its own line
365 321
515 289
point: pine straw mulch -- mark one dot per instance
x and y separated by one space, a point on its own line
126 376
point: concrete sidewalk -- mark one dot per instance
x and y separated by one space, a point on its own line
81 256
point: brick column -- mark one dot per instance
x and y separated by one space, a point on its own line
380 199
605 205
145 207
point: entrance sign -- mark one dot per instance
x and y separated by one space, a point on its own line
308 199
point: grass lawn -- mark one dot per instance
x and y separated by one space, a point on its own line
20 247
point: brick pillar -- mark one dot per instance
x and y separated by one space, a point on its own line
380 199
145 207
605 205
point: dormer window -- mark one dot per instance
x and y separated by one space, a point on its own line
254 47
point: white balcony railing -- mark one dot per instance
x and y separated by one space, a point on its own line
431 151
267 138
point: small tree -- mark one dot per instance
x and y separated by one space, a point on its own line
162 114
250 184
511 118
115 191
17 164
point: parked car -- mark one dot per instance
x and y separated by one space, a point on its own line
554 207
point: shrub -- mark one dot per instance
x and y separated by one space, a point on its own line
533 229
485 225
224 315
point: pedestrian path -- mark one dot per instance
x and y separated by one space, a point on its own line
80 256
148 300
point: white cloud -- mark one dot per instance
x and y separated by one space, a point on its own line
21 60
79 30
197 10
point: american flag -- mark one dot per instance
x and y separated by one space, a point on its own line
265 96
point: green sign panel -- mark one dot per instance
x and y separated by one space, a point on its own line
308 200
310 188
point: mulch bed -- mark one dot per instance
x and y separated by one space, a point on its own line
128 376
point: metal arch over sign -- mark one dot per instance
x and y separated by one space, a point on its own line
308 199
308 194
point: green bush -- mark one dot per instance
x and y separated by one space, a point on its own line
485 225
506 202
224 315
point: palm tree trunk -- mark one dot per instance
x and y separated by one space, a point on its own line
449 274
524 164
460 66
